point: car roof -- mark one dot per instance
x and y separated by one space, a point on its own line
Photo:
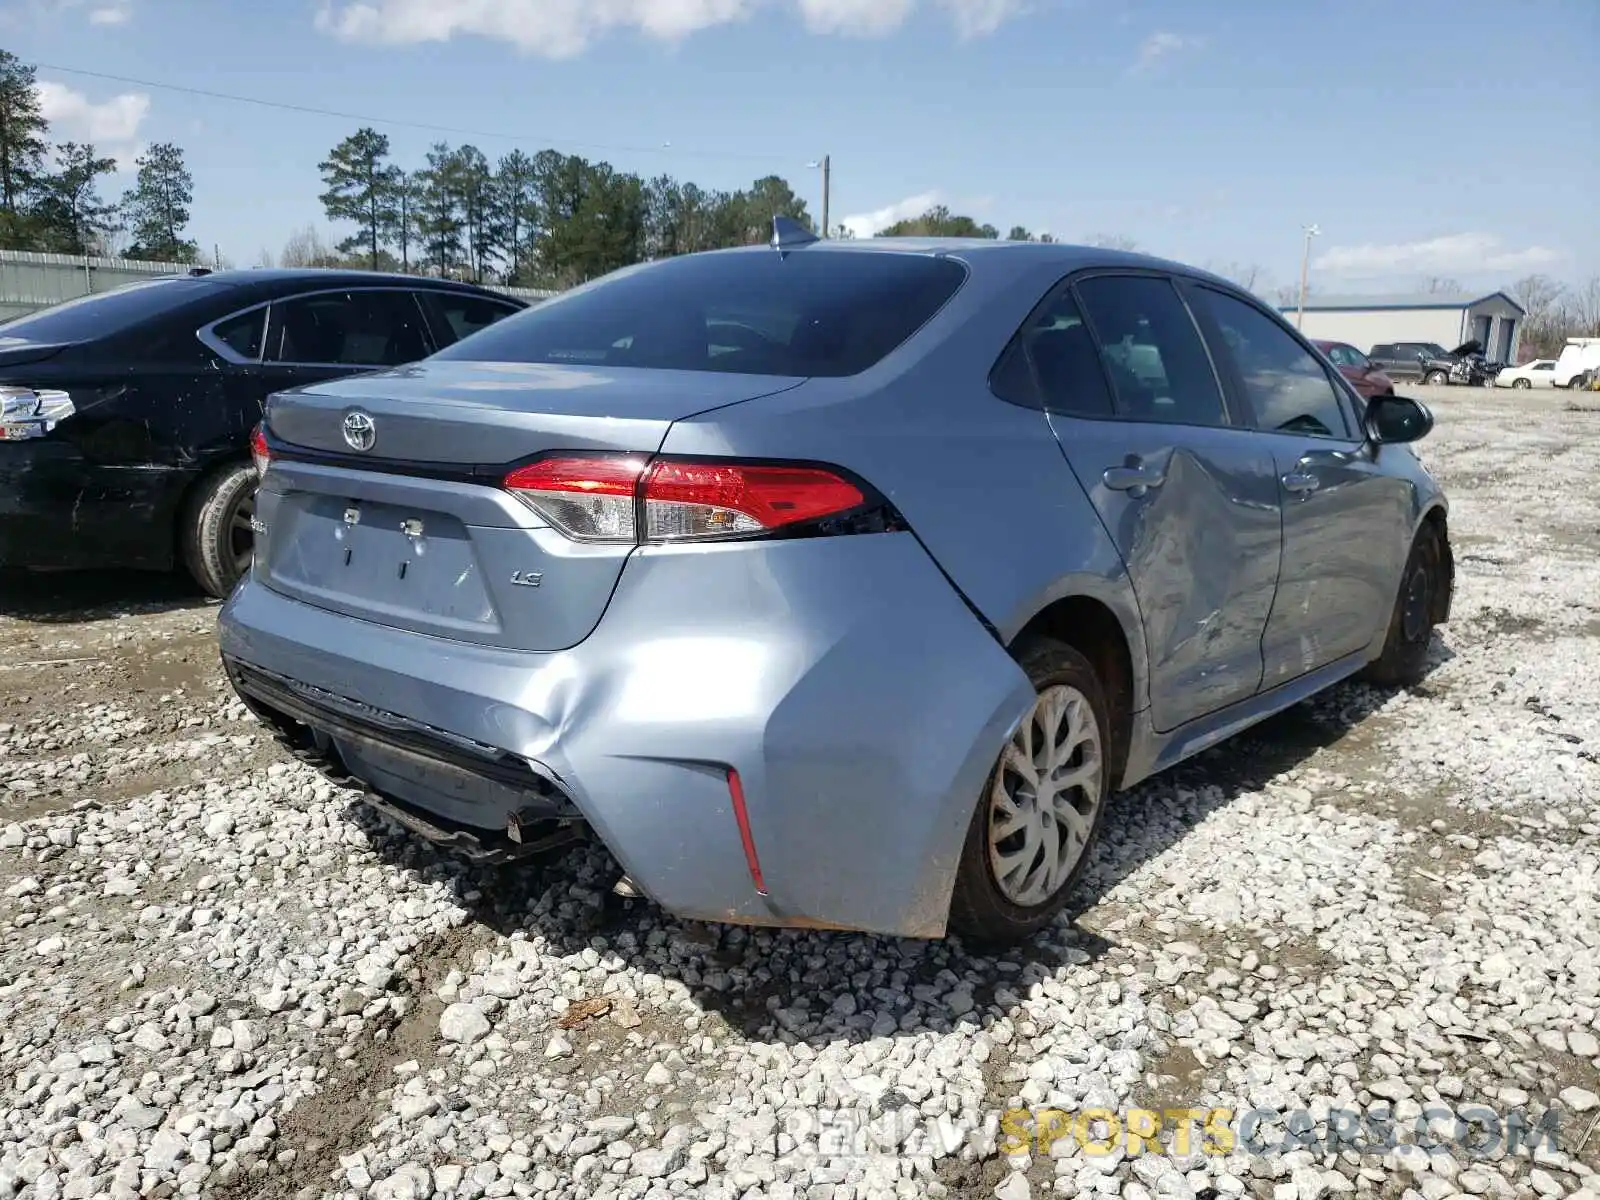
295 277
997 254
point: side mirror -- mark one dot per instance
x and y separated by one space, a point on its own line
1395 419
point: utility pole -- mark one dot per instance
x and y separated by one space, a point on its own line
1305 268
827 169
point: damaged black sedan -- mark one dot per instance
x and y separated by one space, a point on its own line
125 416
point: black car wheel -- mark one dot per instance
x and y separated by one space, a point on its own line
1404 660
216 536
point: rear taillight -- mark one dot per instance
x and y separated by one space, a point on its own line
259 450
28 413
628 499
590 499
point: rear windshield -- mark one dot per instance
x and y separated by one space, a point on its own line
747 312
101 314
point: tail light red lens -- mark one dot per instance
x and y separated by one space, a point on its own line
601 499
697 500
259 451
589 499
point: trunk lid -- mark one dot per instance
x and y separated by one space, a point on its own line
414 530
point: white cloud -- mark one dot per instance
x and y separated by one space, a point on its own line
855 18
1163 44
1455 253
565 28
117 12
111 125
101 12
975 18
868 224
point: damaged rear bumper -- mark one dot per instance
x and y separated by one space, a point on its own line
788 734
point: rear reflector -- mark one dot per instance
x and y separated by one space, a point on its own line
600 499
742 816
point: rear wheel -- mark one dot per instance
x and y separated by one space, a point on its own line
1521 383
216 536
1041 808
1404 660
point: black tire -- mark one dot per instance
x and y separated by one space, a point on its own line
1404 661
1524 384
980 910
215 532
1437 378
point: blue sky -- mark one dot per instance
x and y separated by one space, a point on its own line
1425 138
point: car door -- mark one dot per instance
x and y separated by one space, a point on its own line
321 335
1190 499
1346 523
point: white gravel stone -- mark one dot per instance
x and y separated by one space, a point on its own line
464 1023
1580 1100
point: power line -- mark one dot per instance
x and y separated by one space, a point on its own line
524 139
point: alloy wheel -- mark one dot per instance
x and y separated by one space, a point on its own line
1045 797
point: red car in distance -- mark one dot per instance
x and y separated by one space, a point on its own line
1364 374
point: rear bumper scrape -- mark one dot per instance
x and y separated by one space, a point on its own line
857 698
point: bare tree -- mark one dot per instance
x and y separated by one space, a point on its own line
1250 276
1436 285
1585 309
305 248
264 259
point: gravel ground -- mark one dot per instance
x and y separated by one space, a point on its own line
220 976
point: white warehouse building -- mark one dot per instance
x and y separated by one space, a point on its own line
1447 318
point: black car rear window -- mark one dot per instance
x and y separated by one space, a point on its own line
101 314
754 312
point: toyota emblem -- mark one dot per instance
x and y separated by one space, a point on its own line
359 431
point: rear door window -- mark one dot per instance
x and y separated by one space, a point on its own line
808 312
358 328
1158 366
461 316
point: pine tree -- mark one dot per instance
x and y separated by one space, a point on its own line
69 213
157 206
22 147
360 189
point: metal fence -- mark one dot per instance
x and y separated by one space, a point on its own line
30 281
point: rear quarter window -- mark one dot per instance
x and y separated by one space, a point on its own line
823 313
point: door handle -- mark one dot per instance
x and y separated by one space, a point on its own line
1301 483
1133 479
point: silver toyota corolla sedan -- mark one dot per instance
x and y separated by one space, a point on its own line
832 584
